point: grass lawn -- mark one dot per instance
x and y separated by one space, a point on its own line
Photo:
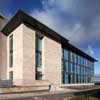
82 98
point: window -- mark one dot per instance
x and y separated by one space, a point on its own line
78 59
71 78
38 51
71 56
66 65
75 68
11 75
65 54
79 78
78 69
38 75
75 79
71 67
11 51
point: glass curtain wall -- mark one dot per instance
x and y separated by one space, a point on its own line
76 69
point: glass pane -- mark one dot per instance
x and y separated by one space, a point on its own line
38 75
38 59
11 59
66 65
71 56
11 51
38 44
69 79
11 75
11 42
65 54
38 52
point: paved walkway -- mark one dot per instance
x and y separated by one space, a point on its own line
46 97
37 96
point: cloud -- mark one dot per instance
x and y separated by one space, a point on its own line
98 59
77 20
97 75
4 4
90 50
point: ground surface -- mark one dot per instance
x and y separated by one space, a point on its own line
48 95
43 97
37 96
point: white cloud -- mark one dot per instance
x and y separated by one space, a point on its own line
98 59
90 50
3 11
97 75
78 21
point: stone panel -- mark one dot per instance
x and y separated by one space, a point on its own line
3 56
52 61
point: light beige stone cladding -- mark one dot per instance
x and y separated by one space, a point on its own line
52 61
3 56
23 55
28 53
17 67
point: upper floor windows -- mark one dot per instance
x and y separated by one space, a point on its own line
11 51
65 54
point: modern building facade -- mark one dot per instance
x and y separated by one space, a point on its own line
31 53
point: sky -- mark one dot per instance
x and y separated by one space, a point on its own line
77 20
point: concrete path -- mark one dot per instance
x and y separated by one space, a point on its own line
45 97
37 96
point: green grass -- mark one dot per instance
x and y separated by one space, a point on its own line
82 98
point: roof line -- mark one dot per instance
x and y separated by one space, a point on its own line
2 16
21 16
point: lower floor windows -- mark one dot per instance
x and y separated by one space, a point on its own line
64 78
11 75
68 78
38 75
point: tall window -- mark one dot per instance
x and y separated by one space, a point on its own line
38 51
38 59
11 51
65 66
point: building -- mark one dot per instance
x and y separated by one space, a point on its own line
31 53
3 21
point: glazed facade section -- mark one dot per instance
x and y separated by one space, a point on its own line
75 68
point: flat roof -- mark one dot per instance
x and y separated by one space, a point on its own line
22 17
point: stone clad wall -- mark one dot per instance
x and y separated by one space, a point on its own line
52 60
3 56
28 53
24 58
17 55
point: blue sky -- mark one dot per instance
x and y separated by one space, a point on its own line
77 20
